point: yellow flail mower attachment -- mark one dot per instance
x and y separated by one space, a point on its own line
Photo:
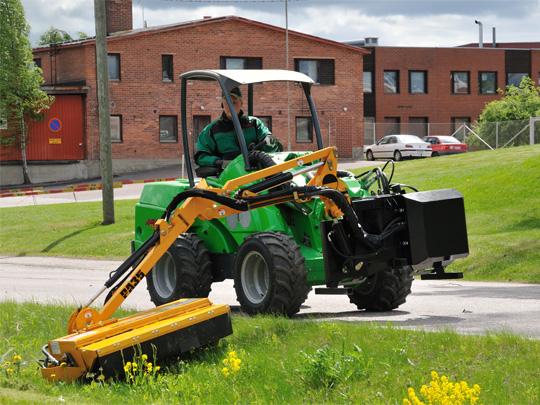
96 342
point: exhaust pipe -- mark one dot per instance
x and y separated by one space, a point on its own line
480 34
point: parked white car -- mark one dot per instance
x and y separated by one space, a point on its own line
398 147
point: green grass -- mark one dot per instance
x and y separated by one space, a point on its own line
67 230
501 190
285 361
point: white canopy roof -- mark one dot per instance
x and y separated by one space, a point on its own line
249 76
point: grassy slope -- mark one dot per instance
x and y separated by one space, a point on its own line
502 199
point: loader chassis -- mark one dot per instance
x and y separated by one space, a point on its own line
278 225
341 237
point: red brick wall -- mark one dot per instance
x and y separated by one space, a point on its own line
141 96
439 105
119 15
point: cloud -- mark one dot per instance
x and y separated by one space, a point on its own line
433 23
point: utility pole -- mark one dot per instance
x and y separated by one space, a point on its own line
102 73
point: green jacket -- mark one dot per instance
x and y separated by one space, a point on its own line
218 139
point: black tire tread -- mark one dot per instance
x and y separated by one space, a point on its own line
291 288
391 289
194 275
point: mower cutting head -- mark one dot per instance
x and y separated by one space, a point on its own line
167 331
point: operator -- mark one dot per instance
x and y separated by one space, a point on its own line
217 141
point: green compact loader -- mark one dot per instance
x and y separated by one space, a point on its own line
282 223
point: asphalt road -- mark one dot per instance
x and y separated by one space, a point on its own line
466 307
462 306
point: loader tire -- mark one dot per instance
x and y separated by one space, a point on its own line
270 275
184 271
384 291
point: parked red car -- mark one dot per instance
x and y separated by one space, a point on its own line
444 145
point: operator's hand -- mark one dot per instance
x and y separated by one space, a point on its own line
218 163
272 140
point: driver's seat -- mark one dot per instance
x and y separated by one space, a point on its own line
205 171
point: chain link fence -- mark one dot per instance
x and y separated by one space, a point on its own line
488 135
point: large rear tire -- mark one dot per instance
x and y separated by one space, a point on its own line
184 271
384 291
270 274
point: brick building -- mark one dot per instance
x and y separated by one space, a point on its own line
144 65
364 91
436 90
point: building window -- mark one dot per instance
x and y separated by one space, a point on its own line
368 82
116 128
113 60
230 62
418 126
3 115
392 125
487 82
417 82
267 121
459 127
321 71
514 79
369 130
304 129
167 68
37 62
391 81
460 82
168 128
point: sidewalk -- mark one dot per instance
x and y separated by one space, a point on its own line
127 186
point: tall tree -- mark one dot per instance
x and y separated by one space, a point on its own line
502 120
20 94
54 35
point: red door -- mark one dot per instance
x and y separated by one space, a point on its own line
60 135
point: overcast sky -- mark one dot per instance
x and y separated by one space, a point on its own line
425 23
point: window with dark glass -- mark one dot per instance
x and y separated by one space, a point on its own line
167 68
417 82
304 129
368 82
369 130
37 62
3 115
487 82
234 62
392 125
460 82
267 121
459 127
116 128
418 126
514 79
168 128
321 71
391 82
113 60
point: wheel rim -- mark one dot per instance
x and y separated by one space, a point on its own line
164 276
370 155
397 155
255 277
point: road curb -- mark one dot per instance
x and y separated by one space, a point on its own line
72 188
